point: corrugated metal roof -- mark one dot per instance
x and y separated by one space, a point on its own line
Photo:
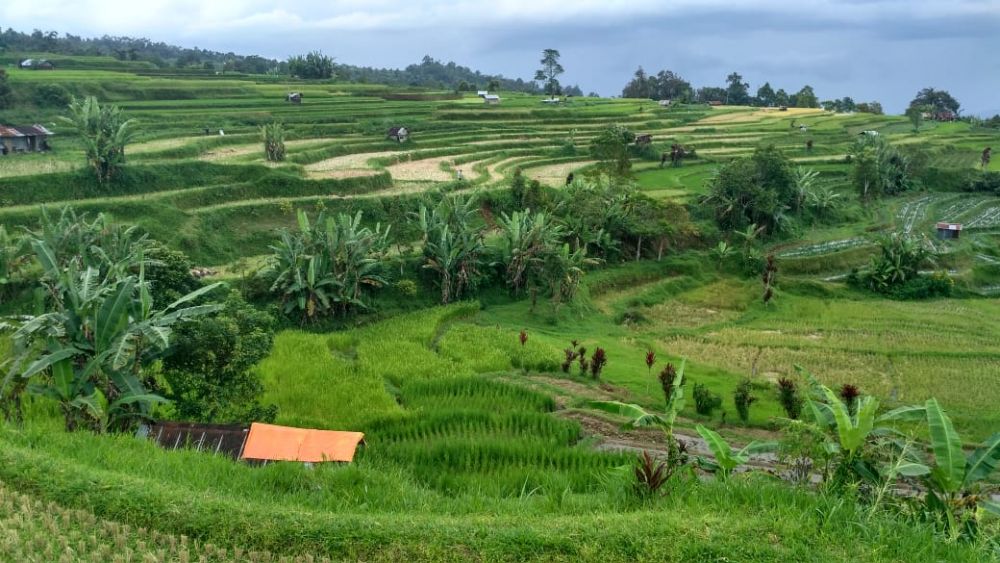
33 130
23 130
226 439
284 443
8 131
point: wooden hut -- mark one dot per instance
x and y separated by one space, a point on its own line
949 231
294 97
23 138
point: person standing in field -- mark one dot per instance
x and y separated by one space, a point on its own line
985 161
458 174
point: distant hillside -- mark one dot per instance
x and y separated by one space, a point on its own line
140 53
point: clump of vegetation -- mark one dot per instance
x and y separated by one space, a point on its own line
91 351
705 401
104 131
651 474
895 270
878 168
328 266
789 397
756 190
453 246
211 369
597 362
667 377
273 135
743 398
611 147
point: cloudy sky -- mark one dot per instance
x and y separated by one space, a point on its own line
869 49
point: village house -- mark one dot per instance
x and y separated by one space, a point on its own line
491 99
23 138
398 134
294 97
643 140
482 93
664 103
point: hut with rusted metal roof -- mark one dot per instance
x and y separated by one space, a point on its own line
23 138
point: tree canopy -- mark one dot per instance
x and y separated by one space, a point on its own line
938 100
549 73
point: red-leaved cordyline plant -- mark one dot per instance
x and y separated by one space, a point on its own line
849 394
597 362
523 337
570 356
651 474
788 396
650 360
667 377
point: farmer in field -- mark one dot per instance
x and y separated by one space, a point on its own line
569 177
985 161
458 174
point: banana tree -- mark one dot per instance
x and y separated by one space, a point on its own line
104 132
453 246
956 481
641 418
329 265
726 459
90 351
850 433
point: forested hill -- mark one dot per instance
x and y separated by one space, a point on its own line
427 73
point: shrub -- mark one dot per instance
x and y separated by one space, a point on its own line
667 377
52 95
211 368
788 396
597 362
743 398
938 284
705 402
407 287
651 474
985 182
273 135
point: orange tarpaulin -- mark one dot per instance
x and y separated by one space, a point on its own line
284 443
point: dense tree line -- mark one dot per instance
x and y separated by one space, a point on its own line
668 85
432 73
427 73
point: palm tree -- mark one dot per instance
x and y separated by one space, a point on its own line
104 132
